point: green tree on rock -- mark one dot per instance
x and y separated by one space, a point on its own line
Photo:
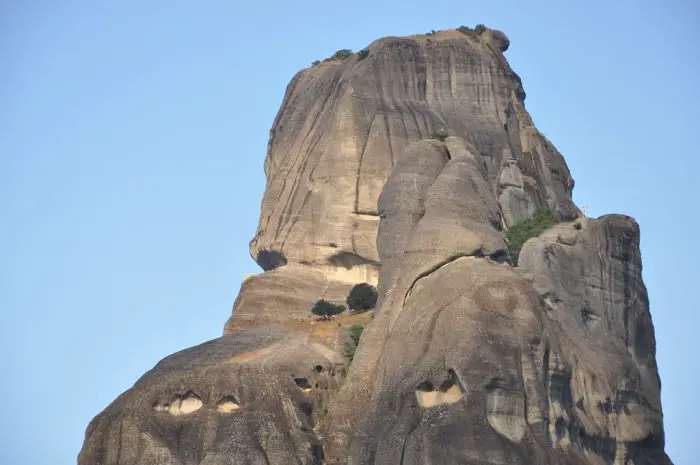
354 331
326 309
362 297
518 234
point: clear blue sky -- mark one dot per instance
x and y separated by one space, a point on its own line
132 139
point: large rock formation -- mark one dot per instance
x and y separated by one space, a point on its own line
404 166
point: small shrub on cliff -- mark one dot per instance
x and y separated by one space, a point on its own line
349 349
362 54
466 30
317 62
477 31
326 309
343 54
518 234
355 331
362 297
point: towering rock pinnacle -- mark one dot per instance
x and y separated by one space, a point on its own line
405 166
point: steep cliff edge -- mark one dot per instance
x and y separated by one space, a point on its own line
405 165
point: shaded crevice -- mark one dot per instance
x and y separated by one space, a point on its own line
604 447
349 260
437 267
500 256
449 155
317 453
366 213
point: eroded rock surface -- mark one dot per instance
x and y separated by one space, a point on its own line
236 399
405 169
603 346
345 124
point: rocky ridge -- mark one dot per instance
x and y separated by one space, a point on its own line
404 166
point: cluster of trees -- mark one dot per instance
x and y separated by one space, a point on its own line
477 31
362 297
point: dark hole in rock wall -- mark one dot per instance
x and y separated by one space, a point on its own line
270 259
317 453
227 404
449 391
589 318
303 384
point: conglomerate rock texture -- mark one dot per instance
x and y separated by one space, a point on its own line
404 166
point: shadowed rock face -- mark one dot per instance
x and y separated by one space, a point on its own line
405 169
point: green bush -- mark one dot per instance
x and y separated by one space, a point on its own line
518 234
349 348
465 30
355 331
326 309
441 136
362 297
317 62
362 54
577 226
342 54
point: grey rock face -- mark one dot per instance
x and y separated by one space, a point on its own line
252 398
472 361
345 124
590 281
405 169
